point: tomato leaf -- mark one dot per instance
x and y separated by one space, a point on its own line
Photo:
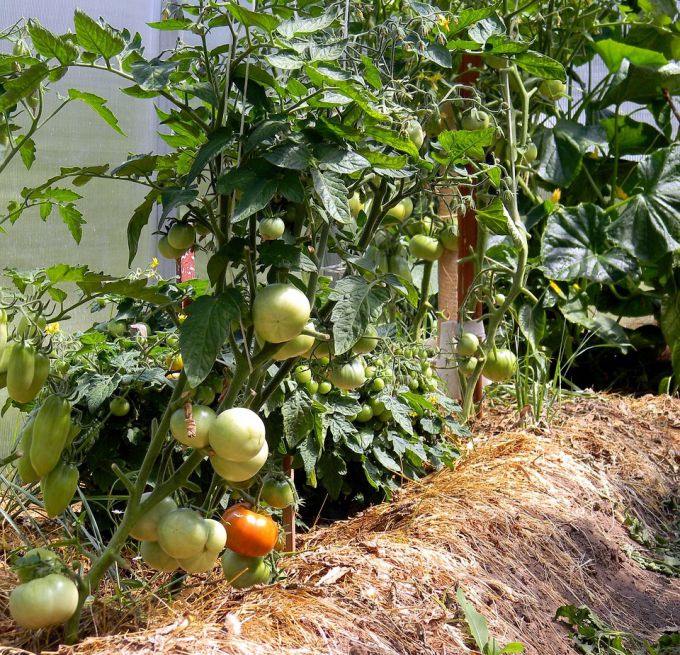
73 220
152 75
540 65
575 245
27 152
100 39
460 145
98 104
297 26
50 45
357 304
22 86
139 219
216 142
265 21
333 195
204 332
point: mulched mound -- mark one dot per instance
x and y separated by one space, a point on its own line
531 519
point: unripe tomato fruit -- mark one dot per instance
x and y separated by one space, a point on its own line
27 371
303 374
280 312
402 210
119 406
34 563
203 417
181 236
552 90
366 343
297 346
364 415
449 237
325 388
312 386
156 557
182 533
271 229
277 492
476 120
415 133
467 345
531 152
237 434
234 472
167 251
204 395
426 248
348 376
58 488
249 533
468 366
498 299
378 384
242 572
146 527
43 602
174 363
500 365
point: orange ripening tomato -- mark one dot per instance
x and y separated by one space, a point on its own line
249 533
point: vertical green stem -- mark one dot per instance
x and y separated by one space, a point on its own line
424 300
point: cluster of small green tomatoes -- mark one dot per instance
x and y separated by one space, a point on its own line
500 364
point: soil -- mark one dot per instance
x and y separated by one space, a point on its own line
531 519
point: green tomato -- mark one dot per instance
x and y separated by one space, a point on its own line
378 406
467 345
386 416
325 388
203 418
201 563
348 376
378 384
413 384
468 366
552 90
172 340
415 133
277 492
237 434
531 152
58 488
425 247
204 395
367 343
271 229
498 299
449 237
182 533
402 210
116 328
242 572
370 371
167 251
44 602
312 386
146 527
35 563
119 406
239 471
500 364
476 120
181 236
299 346
364 415
153 555
280 312
303 374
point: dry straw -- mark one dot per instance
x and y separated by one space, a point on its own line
528 521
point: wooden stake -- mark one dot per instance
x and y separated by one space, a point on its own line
289 512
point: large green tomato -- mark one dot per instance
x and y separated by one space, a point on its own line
424 247
402 210
366 343
467 345
43 602
500 365
146 528
182 533
27 371
51 430
204 418
348 376
217 536
157 558
237 434
181 236
201 563
295 347
59 487
280 312
449 237
277 492
242 572
468 366
167 251
271 229
240 471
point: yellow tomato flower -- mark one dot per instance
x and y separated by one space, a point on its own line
154 263
444 22
556 195
620 193
556 289
52 328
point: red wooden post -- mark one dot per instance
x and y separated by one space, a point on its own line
289 512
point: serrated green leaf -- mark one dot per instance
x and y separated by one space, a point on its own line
50 45
357 304
152 75
22 86
139 219
333 195
248 18
298 419
298 26
216 142
613 53
27 152
98 104
392 139
279 254
461 145
371 73
341 160
204 332
100 39
540 65
73 219
295 156
172 24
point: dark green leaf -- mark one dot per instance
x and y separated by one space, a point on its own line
283 255
371 73
100 39
485 28
98 105
494 217
632 137
204 332
139 219
298 418
461 145
290 155
540 65
22 86
438 54
532 321
357 304
390 138
171 198
614 52
264 20
333 195
649 223
575 245
152 75
27 152
216 142
340 160
669 319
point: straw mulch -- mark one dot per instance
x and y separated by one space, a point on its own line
530 520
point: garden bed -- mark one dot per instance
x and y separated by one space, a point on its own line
530 520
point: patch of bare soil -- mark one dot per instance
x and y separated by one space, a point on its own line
530 520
